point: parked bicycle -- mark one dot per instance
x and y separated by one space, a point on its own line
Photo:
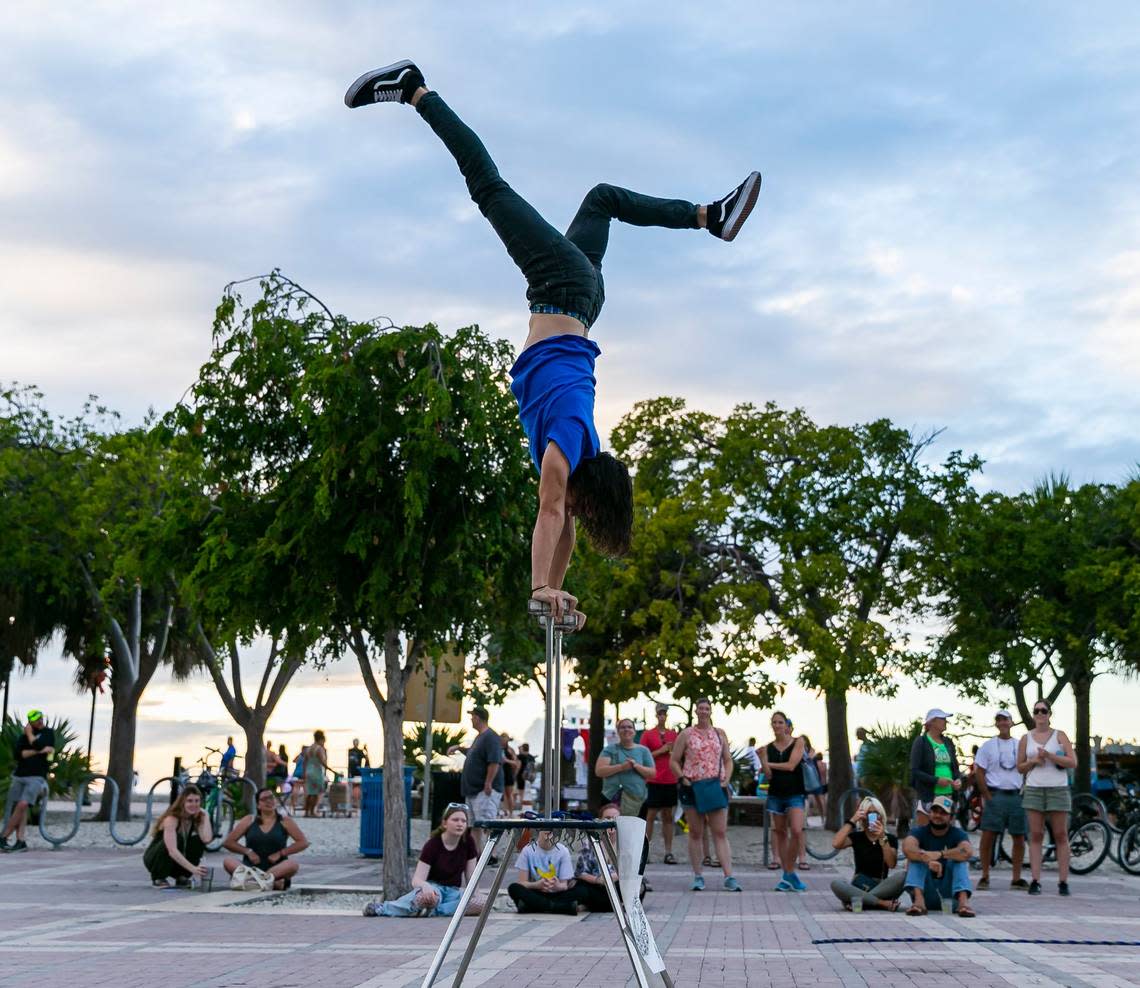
1090 837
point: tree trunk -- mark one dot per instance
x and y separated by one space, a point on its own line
121 759
395 811
839 774
1082 695
597 743
254 728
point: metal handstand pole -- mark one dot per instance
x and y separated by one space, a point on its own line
500 831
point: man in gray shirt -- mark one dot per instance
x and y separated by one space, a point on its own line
482 778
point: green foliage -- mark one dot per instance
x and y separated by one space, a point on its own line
886 766
69 764
415 745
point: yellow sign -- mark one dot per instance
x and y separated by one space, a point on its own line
449 680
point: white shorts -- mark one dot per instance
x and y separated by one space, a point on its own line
484 807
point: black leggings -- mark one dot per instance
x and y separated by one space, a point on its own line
560 271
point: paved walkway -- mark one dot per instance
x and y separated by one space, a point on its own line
88 917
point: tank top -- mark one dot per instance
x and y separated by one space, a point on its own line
262 843
702 754
784 784
1047 776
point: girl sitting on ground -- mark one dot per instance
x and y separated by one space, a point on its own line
446 864
876 853
179 841
267 834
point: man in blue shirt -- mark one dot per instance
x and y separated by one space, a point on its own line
553 378
938 856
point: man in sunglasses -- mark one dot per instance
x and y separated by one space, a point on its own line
999 786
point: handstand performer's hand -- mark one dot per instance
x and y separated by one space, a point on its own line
559 600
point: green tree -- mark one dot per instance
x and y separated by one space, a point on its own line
813 528
1030 587
395 488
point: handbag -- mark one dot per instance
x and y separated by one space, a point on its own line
812 782
247 878
709 795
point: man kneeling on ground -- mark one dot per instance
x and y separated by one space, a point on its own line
546 878
938 854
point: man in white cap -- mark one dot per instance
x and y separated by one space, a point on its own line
933 765
937 857
999 785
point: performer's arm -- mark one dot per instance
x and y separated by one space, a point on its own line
553 538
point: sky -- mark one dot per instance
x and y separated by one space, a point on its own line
947 234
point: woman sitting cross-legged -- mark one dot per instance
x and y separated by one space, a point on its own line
876 853
267 834
179 840
546 878
446 864
590 885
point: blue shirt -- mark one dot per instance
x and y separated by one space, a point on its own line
553 382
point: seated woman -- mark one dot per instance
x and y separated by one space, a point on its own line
876 853
589 884
267 834
445 866
179 841
546 878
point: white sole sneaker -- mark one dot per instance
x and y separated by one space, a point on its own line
385 84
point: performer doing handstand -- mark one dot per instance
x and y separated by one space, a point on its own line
553 378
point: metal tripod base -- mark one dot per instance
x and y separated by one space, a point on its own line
500 833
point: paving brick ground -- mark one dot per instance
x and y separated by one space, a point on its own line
88 917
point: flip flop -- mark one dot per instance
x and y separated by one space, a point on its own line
805 867
773 865
916 911
894 906
965 912
669 859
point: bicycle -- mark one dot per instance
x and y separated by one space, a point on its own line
1128 825
1090 840
848 804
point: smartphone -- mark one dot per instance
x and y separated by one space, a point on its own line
872 819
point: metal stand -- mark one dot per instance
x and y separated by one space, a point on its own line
501 830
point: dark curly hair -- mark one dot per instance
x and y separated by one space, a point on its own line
603 502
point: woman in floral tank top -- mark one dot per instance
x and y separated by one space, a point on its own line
701 752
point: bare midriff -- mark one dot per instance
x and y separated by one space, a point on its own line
544 325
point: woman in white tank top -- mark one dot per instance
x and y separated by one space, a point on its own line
1044 756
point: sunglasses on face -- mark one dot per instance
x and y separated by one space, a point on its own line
1040 710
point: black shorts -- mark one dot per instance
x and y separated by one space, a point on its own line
662 795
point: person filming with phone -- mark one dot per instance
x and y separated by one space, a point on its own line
876 852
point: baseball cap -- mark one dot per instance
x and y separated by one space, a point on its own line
1003 713
943 803
934 712
35 715
663 706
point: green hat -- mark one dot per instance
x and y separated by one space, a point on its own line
35 715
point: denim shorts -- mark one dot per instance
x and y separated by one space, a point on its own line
779 805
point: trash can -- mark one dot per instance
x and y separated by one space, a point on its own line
445 788
372 810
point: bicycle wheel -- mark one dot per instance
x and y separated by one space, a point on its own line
1089 845
222 822
1128 850
1088 807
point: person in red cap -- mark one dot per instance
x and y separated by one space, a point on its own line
33 751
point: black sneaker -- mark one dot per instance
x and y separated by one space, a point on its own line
1063 888
1035 887
19 846
726 216
393 83
4 845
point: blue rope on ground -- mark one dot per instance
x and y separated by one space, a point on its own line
1071 943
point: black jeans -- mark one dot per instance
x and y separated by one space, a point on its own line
562 271
534 901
